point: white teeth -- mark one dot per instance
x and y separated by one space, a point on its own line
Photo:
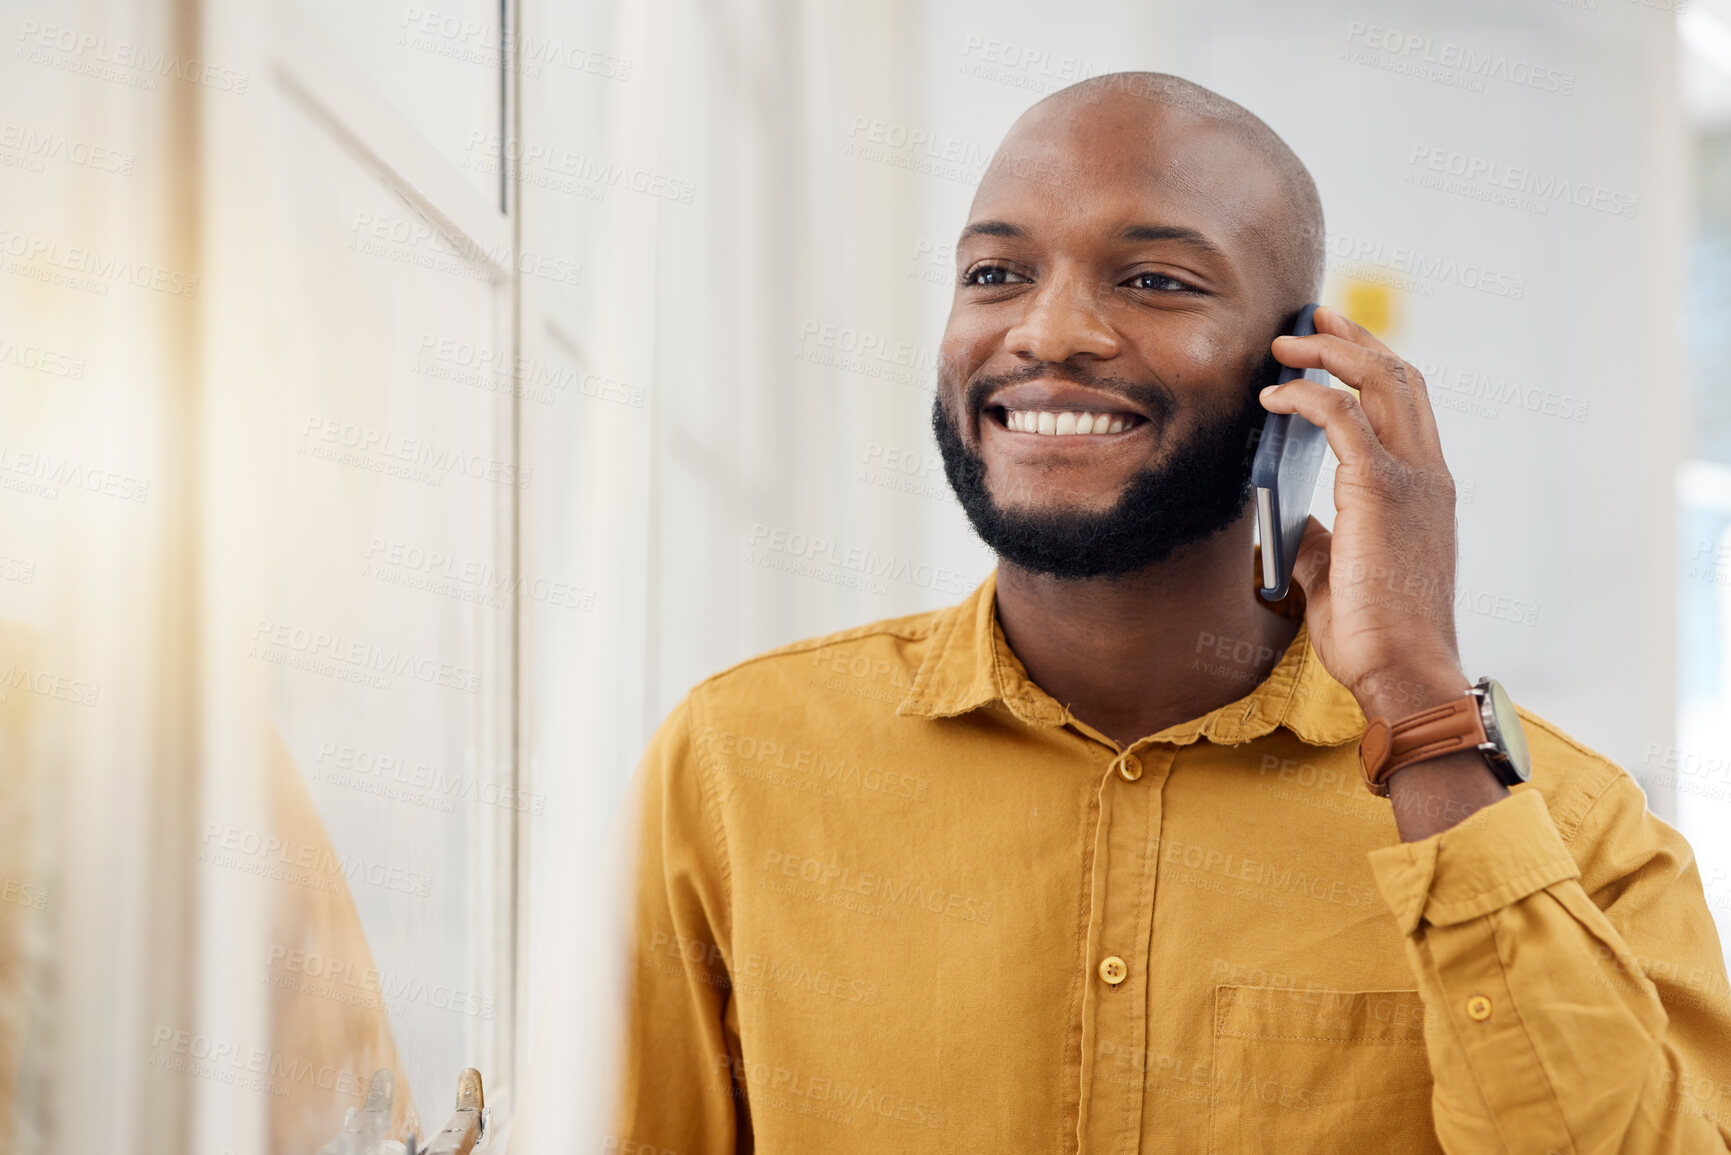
1063 424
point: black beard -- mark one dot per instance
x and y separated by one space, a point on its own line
1200 490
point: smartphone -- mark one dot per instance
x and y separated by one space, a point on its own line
1289 455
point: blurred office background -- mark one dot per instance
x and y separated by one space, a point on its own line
392 428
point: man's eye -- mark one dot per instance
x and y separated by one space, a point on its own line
1159 282
993 275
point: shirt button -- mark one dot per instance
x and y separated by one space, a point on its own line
1130 767
1113 970
1478 1008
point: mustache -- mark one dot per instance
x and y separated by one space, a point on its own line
1150 396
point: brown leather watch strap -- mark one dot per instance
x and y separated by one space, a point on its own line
1387 747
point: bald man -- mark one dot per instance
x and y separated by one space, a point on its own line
1113 855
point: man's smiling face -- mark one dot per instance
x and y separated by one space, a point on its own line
1125 266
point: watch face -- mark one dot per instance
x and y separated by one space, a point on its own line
1509 732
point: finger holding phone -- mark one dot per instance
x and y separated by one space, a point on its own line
1379 589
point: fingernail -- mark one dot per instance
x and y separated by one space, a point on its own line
1270 389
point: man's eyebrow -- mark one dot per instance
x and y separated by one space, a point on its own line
1184 236
992 229
1179 233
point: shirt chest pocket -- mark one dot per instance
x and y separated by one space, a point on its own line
1319 1071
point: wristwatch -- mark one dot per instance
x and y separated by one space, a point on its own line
1482 719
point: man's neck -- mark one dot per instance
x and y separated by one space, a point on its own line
1134 653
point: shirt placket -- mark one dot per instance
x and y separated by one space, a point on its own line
1120 925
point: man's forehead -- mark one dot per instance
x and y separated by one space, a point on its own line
1132 156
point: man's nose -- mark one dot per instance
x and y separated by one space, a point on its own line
1063 318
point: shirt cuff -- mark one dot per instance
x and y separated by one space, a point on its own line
1496 857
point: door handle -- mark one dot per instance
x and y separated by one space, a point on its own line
467 1124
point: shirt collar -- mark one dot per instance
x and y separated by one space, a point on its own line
969 664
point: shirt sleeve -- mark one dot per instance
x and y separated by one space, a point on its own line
1576 995
676 1083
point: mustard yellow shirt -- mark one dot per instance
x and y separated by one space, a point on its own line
892 897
